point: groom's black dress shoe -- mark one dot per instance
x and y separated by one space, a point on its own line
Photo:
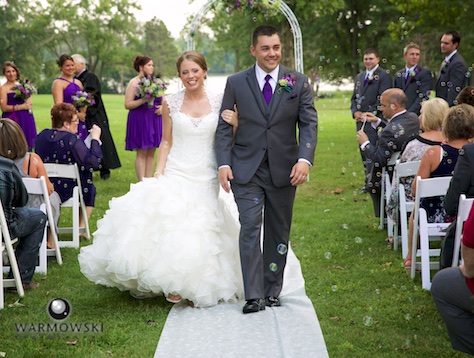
254 305
272 301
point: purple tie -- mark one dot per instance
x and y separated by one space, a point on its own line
267 90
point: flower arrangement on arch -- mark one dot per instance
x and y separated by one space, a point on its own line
82 99
24 89
287 83
262 6
150 88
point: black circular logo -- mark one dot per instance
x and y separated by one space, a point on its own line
59 308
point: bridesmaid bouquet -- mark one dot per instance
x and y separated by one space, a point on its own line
151 88
82 99
24 89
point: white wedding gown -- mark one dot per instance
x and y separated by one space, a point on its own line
172 234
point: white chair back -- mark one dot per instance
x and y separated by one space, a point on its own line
464 208
76 202
38 186
427 188
404 170
7 245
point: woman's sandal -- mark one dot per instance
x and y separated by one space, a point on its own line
407 264
173 298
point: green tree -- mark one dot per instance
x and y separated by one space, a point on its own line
159 45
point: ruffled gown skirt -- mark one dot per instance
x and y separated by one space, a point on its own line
168 235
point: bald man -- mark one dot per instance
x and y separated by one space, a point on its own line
392 135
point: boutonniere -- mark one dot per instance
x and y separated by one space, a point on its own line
287 82
373 78
444 65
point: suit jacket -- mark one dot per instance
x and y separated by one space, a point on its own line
366 97
392 137
452 79
463 179
267 130
417 87
96 114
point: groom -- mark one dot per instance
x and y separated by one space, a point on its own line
266 161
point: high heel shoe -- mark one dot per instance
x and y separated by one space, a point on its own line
173 298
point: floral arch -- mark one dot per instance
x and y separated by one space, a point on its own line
259 4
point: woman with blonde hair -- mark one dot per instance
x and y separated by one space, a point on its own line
431 118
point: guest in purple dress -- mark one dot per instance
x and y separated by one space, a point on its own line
66 86
61 145
15 108
144 124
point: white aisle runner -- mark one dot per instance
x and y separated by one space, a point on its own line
223 331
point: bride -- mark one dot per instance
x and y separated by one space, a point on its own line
172 234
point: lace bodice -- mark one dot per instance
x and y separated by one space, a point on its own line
192 151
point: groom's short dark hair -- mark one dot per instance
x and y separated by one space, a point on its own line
264 30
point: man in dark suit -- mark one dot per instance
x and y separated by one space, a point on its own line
401 125
414 80
368 87
96 115
452 77
266 161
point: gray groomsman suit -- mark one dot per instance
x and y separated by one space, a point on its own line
452 79
417 87
267 145
366 97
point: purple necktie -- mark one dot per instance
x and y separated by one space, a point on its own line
267 90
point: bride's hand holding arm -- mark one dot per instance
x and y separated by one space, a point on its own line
232 118
166 140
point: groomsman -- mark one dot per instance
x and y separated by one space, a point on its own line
369 86
414 80
452 78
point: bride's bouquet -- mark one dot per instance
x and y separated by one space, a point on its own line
150 88
82 99
24 89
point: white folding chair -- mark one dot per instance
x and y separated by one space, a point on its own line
404 170
38 187
76 202
7 244
464 208
426 188
386 190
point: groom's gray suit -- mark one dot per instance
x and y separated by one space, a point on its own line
266 147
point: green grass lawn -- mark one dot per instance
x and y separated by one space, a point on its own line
366 304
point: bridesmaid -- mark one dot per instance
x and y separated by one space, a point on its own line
66 86
144 124
15 108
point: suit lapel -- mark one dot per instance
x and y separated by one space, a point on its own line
278 94
254 87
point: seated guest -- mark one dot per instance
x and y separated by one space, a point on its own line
462 183
440 160
25 223
401 126
61 145
466 96
29 165
452 290
431 117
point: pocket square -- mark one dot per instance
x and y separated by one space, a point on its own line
294 95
